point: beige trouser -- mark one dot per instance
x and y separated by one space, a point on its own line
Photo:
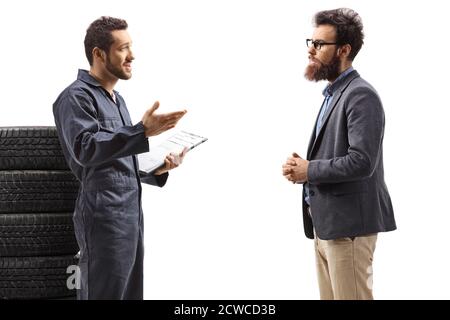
344 267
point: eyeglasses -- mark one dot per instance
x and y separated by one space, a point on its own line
318 43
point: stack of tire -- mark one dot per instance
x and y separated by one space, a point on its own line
37 198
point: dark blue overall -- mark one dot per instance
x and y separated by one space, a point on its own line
100 143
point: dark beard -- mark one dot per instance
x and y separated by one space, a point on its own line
328 71
116 71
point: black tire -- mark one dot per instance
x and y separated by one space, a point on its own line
37 191
36 277
31 148
42 234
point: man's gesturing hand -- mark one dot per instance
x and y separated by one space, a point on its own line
155 124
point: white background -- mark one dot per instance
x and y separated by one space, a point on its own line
227 225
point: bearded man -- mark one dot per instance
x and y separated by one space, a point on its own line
345 199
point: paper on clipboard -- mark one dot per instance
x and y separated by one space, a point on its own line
152 160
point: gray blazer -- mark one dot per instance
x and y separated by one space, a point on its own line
348 194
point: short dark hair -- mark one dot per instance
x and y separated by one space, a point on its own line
99 34
348 25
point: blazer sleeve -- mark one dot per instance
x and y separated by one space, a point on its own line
365 125
79 129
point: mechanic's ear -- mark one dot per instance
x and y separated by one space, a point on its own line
99 54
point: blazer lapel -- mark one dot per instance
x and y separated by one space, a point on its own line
337 96
312 138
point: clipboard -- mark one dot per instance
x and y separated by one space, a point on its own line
154 159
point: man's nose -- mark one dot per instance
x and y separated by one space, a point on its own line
311 50
131 55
